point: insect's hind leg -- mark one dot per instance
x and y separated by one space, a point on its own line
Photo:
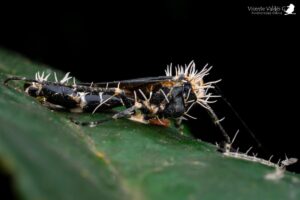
90 123
123 114
18 78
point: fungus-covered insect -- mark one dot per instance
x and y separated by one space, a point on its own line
150 100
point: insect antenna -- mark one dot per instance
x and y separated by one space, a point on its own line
218 90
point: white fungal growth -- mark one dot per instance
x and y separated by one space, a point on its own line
55 78
81 96
103 102
101 96
146 102
41 77
252 158
280 169
166 98
276 175
195 78
66 78
280 166
74 82
144 96
187 111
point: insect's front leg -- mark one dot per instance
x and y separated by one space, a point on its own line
179 125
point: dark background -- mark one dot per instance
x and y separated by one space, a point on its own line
254 56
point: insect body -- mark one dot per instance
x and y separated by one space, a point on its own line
151 100
58 95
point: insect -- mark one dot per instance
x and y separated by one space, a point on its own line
150 100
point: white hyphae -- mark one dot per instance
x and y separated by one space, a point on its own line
190 74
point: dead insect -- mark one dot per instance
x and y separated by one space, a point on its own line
59 95
150 100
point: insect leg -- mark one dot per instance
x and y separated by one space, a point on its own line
91 123
125 113
179 125
218 124
54 107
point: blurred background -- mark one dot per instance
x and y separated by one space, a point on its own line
254 56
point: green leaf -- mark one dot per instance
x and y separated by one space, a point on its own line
49 157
